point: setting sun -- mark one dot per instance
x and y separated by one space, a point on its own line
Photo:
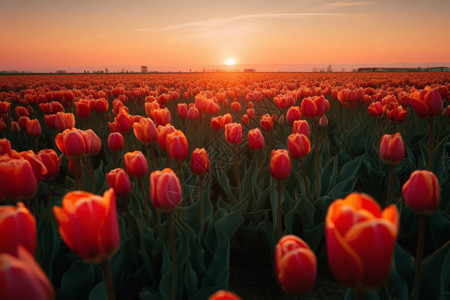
230 61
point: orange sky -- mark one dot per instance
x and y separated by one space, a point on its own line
45 35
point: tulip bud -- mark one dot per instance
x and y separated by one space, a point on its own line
293 114
255 139
298 145
52 162
177 145
135 164
233 133
421 192
119 181
323 121
280 164
302 127
115 141
182 110
295 265
165 190
392 148
33 128
13 173
200 161
224 295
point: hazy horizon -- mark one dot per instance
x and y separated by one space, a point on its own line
49 35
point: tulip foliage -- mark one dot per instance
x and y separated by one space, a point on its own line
199 177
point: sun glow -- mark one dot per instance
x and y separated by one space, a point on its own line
229 61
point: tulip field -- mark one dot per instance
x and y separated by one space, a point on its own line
225 186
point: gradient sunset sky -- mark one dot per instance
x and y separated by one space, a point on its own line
45 35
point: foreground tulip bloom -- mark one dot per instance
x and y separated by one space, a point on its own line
293 114
135 164
115 141
266 122
165 190
33 128
295 265
5 146
177 146
88 224
392 149
118 180
17 227
200 163
360 241
21 277
51 161
298 145
72 143
301 126
427 103
421 192
233 133
13 173
224 295
280 164
145 131
255 139
64 121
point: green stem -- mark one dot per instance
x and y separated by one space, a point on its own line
127 210
391 180
430 152
316 134
308 197
48 204
238 177
108 280
153 156
174 257
358 295
279 209
115 159
202 209
36 144
419 255
90 164
144 199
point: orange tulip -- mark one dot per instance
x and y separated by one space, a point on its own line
421 192
17 227
266 122
295 265
115 141
314 107
51 161
200 161
33 128
161 116
427 103
83 108
145 131
163 131
235 106
376 109
88 224
398 114
21 277
64 121
392 149
280 164
298 145
13 173
5 146
177 145
119 181
72 143
182 110
293 114
233 133
135 164
224 295
255 139
216 123
165 190
302 127
50 121
100 105
123 120
360 240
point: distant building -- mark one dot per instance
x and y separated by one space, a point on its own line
434 69
329 69
144 69
249 70
61 71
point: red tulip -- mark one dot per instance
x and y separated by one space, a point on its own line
200 161
33 128
165 190
251 113
83 108
123 121
51 161
446 112
163 131
323 121
392 149
64 121
4 107
22 268
192 114
266 122
50 121
145 131
21 112
295 265
293 114
314 107
161 116
216 123
427 103
13 173
280 164
115 141
135 164
302 127
100 105
360 240
235 106
5 146
177 145
17 227
22 122
298 145
397 114
255 139
421 192
93 142
88 224
224 295
35 161
376 109
245 120
226 119
233 133
182 110
72 143
119 181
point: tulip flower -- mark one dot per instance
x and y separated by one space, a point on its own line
245 120
314 107
33 128
182 110
235 106
21 277
323 121
13 173
165 190
100 105
427 103
22 122
115 141
233 133
72 143
119 181
200 163
255 139
301 126
64 121
446 112
14 126
135 164
192 114
298 145
293 114
398 114
224 295
295 265
376 110
161 116
177 146
280 164
51 161
163 131
216 123
360 241
21 112
123 121
145 131
5 146
421 192
83 108
17 227
88 224
266 122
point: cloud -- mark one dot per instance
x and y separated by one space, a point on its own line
212 23
346 4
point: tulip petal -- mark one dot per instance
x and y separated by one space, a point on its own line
110 237
419 107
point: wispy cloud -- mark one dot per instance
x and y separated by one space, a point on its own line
346 4
211 23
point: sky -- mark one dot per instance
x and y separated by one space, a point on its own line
46 35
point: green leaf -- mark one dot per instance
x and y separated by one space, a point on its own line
328 176
77 281
435 274
99 292
402 272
